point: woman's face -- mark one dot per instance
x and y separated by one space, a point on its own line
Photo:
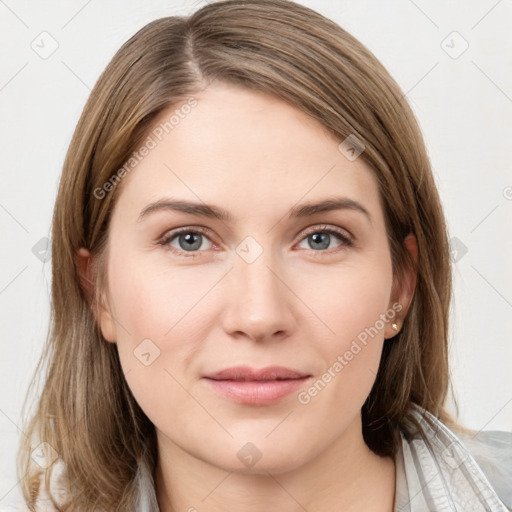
245 271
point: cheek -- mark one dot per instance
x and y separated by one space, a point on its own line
154 308
152 300
348 300
354 310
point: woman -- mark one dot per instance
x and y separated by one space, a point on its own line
251 284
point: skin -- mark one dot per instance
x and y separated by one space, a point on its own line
296 305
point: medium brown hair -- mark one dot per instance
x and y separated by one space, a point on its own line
86 411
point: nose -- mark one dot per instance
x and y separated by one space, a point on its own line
260 303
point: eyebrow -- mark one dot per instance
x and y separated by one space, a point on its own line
216 212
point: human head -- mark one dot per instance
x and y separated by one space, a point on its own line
298 56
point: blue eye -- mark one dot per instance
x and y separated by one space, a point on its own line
190 242
187 240
320 239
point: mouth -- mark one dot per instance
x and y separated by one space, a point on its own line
250 386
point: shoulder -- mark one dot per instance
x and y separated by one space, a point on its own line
492 450
455 471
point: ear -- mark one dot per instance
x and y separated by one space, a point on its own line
100 307
404 285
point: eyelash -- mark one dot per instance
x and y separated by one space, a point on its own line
345 238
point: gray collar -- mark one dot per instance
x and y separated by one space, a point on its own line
436 472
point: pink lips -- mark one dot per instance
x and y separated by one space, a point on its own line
250 386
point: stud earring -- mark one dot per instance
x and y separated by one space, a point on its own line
394 327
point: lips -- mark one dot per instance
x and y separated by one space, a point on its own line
250 386
246 373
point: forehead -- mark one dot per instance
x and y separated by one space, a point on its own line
237 148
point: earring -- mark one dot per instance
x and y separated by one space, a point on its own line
394 327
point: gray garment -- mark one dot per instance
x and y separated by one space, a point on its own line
436 471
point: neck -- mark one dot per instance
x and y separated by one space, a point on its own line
347 476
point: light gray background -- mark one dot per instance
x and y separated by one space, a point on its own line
463 103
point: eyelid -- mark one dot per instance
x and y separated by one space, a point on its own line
343 233
173 233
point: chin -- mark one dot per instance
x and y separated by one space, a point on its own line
260 457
